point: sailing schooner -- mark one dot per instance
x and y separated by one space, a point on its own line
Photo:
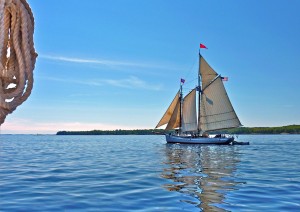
215 111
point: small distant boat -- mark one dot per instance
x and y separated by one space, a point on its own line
215 111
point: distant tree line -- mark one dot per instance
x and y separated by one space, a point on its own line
291 129
114 132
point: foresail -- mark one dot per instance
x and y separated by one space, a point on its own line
167 116
189 116
206 72
175 118
216 110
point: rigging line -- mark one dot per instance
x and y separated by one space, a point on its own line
216 114
212 122
218 130
218 76
190 81
191 68
188 89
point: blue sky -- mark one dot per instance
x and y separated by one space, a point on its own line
117 64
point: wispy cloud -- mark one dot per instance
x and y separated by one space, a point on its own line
111 63
91 61
132 82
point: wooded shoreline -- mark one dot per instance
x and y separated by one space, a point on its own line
290 129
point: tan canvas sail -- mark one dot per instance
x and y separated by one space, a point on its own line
206 72
189 116
210 111
175 118
216 109
167 116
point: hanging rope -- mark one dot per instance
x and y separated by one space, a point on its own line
17 55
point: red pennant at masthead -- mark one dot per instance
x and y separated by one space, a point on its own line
202 46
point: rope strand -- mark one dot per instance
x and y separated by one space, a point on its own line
17 55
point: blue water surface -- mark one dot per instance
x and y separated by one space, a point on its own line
143 173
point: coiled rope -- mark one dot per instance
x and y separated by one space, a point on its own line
17 55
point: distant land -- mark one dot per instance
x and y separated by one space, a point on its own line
290 129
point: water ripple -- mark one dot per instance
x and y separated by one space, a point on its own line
143 173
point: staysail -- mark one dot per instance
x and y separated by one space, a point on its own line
168 114
216 111
189 115
175 118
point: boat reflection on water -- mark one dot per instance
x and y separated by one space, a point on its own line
205 173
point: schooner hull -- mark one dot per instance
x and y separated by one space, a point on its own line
198 140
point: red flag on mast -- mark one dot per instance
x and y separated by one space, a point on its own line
202 46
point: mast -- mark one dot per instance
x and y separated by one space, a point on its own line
199 93
180 108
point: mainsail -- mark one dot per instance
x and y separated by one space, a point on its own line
216 111
189 116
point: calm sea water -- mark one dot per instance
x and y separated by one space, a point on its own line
143 173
